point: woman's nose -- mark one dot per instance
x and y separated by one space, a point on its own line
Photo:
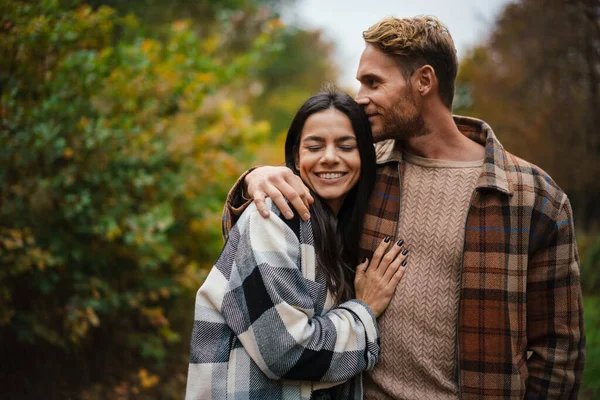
330 154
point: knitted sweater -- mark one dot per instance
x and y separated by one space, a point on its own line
418 341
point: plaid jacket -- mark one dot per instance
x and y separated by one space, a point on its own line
264 327
520 323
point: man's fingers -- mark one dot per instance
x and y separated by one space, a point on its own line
279 183
259 200
309 197
279 199
298 195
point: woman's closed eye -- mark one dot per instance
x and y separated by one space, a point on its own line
314 148
348 147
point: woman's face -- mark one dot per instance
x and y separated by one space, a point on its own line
328 157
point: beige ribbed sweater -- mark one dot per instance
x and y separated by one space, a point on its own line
418 330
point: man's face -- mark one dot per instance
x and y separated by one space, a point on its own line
389 100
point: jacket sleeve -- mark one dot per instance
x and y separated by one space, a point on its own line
235 204
555 331
268 305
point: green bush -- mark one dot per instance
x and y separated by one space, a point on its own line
589 251
589 248
115 160
591 375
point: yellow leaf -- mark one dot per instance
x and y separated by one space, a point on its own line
147 380
68 153
205 77
227 106
276 23
147 45
83 122
180 25
92 316
210 45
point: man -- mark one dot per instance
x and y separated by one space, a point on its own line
492 306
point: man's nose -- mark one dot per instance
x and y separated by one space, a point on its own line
361 97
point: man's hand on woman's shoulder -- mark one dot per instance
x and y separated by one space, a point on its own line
279 184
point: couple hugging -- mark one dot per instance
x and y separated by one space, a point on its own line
432 265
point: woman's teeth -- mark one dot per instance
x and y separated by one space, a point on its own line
330 175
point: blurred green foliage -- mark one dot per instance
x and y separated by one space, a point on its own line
591 373
102 167
289 80
118 149
589 251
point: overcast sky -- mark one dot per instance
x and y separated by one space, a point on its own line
343 21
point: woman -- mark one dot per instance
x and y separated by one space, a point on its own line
278 316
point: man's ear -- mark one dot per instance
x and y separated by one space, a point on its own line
425 80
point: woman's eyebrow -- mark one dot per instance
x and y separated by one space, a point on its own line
313 138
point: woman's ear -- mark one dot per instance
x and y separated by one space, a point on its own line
297 161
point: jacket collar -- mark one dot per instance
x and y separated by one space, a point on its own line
495 172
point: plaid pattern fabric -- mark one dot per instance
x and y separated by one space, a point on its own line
264 327
520 325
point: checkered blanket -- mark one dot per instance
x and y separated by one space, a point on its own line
265 326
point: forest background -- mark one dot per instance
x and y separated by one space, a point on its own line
124 123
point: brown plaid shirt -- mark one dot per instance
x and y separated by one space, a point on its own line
520 324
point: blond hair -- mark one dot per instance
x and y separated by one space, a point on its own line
418 41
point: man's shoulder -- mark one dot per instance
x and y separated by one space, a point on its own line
526 176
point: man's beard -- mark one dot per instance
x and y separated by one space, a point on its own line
402 121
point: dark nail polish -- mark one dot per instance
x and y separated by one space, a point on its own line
404 252
404 263
400 242
387 239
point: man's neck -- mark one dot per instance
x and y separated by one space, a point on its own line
444 141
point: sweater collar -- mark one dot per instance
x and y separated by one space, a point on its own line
495 172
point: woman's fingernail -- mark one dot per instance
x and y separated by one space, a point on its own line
387 239
404 263
365 260
404 252
306 216
265 213
289 214
400 242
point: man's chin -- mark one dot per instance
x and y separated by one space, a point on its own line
378 133
381 135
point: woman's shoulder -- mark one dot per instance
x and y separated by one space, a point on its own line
276 220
